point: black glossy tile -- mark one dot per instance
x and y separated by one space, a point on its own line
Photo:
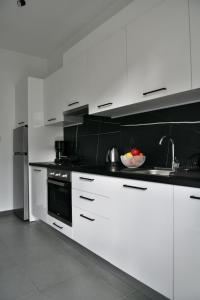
87 148
109 126
90 126
187 140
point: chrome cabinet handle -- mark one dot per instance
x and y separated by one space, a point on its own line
73 103
52 119
86 198
134 187
155 91
195 197
87 218
60 227
104 105
37 170
20 123
87 179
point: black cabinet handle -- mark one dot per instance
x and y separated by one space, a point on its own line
155 91
73 103
134 187
82 216
195 197
87 179
37 170
104 105
86 198
20 123
53 119
60 227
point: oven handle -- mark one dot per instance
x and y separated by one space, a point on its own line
56 182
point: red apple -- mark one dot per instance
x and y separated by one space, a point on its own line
135 152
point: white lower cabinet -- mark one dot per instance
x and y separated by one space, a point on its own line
186 243
92 231
38 194
143 232
136 231
60 226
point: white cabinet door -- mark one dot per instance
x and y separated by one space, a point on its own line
158 52
187 243
75 86
53 110
195 41
107 74
21 103
38 193
143 226
92 231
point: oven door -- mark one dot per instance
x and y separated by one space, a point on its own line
60 201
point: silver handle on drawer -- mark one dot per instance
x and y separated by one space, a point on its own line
134 187
195 197
87 218
37 170
154 91
104 105
87 179
73 103
52 119
86 198
60 227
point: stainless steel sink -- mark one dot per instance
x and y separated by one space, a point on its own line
156 172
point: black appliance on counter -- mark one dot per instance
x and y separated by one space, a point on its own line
59 195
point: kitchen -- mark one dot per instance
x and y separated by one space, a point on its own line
100 152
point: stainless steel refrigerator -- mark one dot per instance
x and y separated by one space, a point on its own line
20 173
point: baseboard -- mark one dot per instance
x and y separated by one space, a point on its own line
6 213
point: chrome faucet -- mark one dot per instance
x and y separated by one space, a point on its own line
174 164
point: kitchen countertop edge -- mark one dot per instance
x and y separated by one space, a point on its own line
182 179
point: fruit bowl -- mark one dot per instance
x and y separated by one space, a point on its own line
133 162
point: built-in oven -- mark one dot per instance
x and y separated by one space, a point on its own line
60 195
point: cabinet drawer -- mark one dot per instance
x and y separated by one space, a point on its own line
91 183
92 231
63 228
99 205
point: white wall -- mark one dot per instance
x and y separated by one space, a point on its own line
13 67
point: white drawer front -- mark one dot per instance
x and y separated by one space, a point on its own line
64 228
93 203
92 231
91 183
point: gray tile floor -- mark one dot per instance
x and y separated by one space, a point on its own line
38 263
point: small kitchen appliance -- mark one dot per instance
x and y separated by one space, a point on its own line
112 158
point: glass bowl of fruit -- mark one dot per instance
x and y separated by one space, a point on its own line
133 159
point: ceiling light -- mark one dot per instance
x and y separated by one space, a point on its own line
21 3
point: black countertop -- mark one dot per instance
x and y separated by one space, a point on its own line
183 178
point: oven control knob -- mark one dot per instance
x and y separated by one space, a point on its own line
64 175
52 173
57 174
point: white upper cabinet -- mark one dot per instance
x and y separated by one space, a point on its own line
53 112
107 73
186 243
75 86
195 41
21 104
158 52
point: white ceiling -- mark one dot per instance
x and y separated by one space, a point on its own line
43 26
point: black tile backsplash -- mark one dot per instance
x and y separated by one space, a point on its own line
92 139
